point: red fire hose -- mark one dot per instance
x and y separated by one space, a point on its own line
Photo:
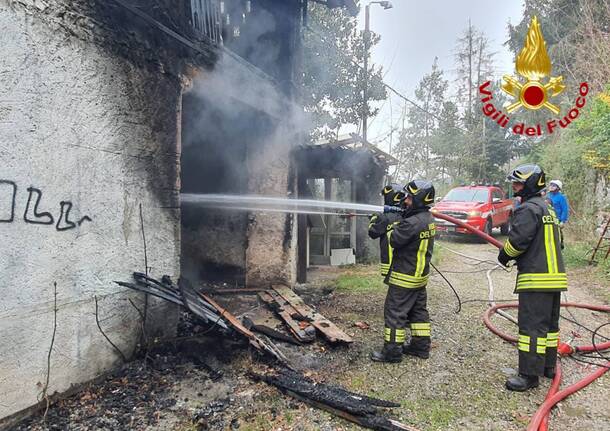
474 230
541 418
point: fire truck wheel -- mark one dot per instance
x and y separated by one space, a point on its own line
488 227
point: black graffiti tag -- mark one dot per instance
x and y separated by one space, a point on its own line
38 218
11 188
64 216
32 213
64 222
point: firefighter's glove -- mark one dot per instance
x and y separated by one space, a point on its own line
504 258
374 217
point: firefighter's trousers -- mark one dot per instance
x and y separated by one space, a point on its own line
538 331
407 308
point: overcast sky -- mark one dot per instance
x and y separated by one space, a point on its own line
413 32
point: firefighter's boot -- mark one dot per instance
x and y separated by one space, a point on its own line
549 372
411 350
521 383
419 344
391 352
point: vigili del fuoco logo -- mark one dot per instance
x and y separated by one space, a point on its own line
536 92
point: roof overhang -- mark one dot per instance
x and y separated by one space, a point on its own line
355 141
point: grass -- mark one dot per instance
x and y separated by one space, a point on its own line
577 255
367 278
360 279
436 414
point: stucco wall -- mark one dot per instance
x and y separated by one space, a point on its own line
81 126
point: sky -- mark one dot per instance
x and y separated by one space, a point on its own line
413 32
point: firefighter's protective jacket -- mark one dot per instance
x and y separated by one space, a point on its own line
535 243
380 227
413 242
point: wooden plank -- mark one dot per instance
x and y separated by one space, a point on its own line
302 331
330 331
264 321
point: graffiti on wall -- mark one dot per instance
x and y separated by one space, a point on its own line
33 214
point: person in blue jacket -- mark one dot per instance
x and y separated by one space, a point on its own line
559 201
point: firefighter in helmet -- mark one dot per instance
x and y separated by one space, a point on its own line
412 241
535 243
381 225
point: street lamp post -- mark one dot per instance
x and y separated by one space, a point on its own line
367 41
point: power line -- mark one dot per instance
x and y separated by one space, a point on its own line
389 87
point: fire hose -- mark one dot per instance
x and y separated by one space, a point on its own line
540 419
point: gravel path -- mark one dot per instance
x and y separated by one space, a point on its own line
461 387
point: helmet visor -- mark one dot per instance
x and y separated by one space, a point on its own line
512 178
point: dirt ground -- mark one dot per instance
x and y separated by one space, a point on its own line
461 386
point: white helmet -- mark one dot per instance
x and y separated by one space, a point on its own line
558 183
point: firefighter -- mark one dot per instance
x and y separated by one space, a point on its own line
381 224
412 240
535 243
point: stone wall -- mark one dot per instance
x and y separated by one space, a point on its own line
86 137
272 237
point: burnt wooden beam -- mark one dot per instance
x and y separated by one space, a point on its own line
303 331
355 408
255 341
369 421
330 331
269 331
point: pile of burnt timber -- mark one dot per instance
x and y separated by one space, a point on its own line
360 409
201 306
301 320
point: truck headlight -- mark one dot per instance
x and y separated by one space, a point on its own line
474 213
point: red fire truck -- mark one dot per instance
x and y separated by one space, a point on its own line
483 207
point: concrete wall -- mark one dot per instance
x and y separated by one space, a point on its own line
93 137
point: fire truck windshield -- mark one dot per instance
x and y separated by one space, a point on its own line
467 195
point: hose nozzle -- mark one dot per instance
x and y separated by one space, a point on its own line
391 209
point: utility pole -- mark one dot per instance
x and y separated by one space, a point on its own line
365 92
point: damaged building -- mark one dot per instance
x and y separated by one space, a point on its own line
109 111
346 169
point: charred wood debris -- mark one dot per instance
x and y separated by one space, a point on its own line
303 325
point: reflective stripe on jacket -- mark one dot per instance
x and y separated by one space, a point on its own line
380 227
535 242
413 242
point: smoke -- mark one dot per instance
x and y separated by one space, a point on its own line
238 129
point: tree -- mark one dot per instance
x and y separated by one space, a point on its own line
474 66
414 146
333 78
446 143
